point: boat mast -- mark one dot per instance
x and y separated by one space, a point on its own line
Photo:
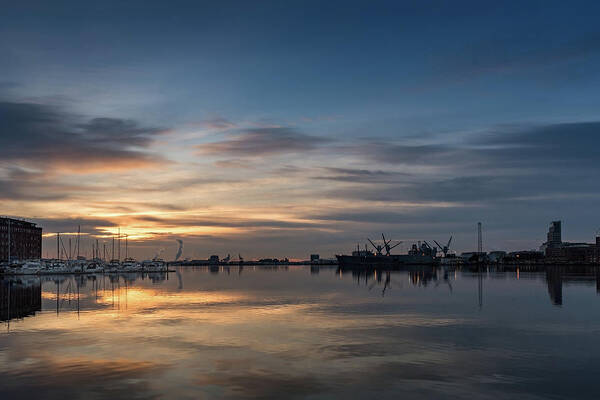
119 240
58 245
9 242
126 251
78 239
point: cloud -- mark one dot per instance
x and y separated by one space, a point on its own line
390 152
547 147
88 225
552 146
48 138
359 175
218 124
263 141
233 163
225 221
20 184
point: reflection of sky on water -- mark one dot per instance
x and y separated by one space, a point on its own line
306 333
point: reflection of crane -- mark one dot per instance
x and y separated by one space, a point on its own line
446 281
386 246
180 279
445 248
387 284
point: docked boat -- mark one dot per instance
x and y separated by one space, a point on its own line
130 264
28 268
421 254
155 265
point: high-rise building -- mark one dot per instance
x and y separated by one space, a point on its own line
554 234
19 240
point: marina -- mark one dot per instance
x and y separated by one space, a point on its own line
56 267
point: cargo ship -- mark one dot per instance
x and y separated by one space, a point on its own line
419 254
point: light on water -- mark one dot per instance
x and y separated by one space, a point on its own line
302 332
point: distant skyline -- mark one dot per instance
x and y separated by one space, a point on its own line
277 129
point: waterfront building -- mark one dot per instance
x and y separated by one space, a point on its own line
24 239
496 256
554 234
557 250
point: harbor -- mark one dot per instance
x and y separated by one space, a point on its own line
20 254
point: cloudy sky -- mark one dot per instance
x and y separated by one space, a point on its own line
286 128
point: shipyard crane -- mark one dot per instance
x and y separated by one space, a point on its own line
377 247
387 246
445 248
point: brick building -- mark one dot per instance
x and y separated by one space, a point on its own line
575 252
25 240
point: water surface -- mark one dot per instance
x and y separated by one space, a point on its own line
302 332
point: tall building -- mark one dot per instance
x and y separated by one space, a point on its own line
555 234
24 239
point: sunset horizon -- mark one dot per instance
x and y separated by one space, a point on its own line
299 199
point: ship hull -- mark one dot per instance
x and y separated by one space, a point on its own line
384 262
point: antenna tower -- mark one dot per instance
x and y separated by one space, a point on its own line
479 239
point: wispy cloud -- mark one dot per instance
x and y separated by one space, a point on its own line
218 124
263 141
358 175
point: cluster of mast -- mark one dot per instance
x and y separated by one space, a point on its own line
69 255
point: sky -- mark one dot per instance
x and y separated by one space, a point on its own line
281 129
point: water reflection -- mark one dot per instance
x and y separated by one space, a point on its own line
19 298
318 332
22 297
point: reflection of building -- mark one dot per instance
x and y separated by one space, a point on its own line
554 280
573 274
25 240
18 300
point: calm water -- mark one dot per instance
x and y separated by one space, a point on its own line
299 332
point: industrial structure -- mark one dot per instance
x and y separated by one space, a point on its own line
19 240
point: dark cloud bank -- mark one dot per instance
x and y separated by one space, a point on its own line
47 137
